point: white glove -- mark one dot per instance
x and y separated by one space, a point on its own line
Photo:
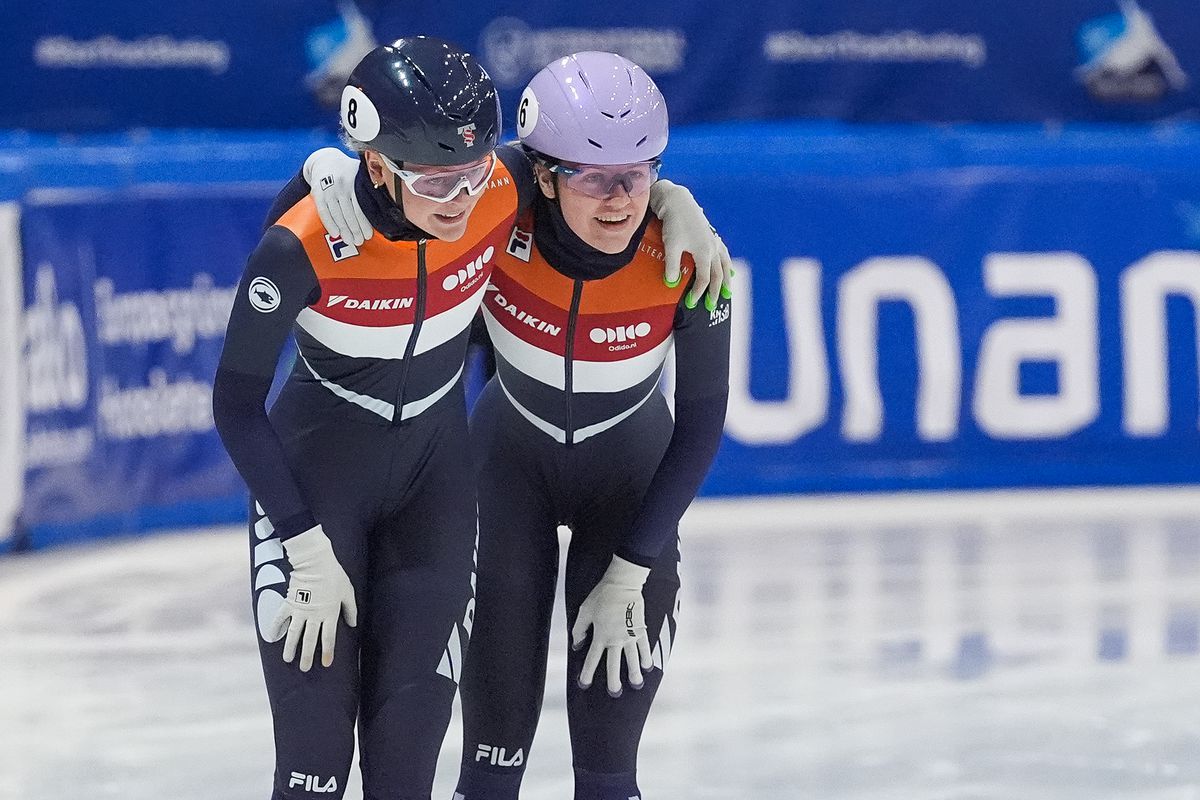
616 613
330 174
686 229
317 591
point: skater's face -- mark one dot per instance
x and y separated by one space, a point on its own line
603 205
443 219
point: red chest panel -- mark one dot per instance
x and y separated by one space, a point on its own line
628 313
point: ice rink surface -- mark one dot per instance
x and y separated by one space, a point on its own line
999 645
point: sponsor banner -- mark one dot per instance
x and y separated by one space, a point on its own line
865 61
76 67
912 309
12 419
897 327
126 302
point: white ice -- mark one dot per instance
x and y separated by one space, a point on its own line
992 645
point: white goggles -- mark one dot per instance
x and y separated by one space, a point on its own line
444 185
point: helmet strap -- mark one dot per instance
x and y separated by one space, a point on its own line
546 163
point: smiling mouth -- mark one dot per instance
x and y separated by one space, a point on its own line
613 220
451 217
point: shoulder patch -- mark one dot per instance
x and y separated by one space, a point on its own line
340 249
263 295
520 244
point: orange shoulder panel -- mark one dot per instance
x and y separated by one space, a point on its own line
380 258
639 283
333 258
535 275
539 278
302 220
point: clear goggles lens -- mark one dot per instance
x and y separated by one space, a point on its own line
602 182
444 185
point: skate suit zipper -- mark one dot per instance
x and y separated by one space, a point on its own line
411 347
572 318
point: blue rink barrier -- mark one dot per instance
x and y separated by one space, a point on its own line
914 308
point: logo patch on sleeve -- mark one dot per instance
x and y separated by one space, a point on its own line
520 244
341 250
263 294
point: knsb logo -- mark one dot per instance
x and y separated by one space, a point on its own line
498 756
312 783
1126 59
468 275
468 134
339 248
625 333
376 304
718 315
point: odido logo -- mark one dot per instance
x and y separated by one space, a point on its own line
469 274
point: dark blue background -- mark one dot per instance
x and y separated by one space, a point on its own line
1029 72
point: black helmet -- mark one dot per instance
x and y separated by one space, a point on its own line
423 100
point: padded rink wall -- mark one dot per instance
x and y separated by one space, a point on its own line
915 308
12 417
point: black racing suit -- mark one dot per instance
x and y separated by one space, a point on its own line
369 439
573 430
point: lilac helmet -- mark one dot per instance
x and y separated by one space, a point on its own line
593 108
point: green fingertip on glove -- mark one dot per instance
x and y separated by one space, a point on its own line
690 301
726 292
710 303
672 284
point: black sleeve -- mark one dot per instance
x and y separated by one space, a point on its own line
278 282
292 193
701 396
513 157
